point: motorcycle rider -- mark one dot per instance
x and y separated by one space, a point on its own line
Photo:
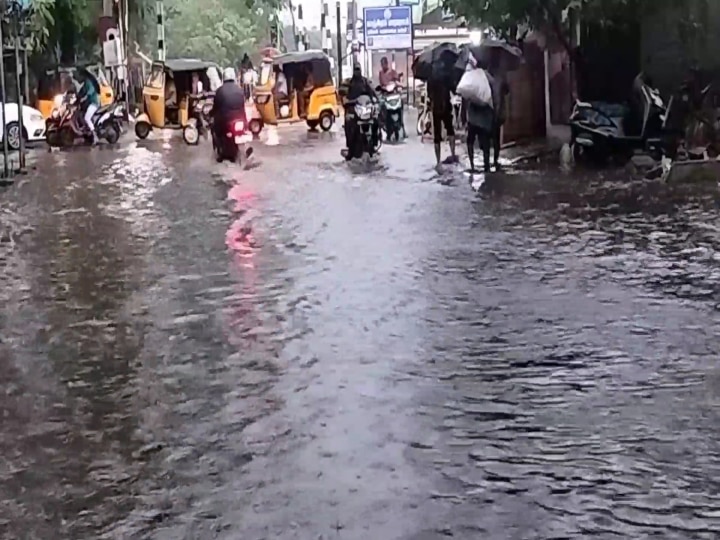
357 86
228 104
386 77
91 99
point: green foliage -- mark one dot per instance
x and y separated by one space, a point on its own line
220 30
548 15
217 30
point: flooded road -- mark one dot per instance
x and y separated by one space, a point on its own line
308 350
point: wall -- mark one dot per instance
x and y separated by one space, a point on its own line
526 104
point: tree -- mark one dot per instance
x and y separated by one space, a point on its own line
220 30
213 29
550 16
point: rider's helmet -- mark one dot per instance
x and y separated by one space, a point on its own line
229 75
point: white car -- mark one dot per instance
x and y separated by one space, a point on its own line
33 125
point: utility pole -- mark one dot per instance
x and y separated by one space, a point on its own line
353 21
324 42
338 30
6 156
16 15
160 12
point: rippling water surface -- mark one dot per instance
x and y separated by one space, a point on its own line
308 350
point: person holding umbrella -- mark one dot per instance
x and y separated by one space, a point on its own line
442 115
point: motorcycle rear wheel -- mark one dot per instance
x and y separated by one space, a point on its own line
67 137
112 133
53 138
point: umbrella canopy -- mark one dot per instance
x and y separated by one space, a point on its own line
492 54
435 62
270 52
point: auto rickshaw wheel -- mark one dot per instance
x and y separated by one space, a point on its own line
327 119
142 130
256 126
191 135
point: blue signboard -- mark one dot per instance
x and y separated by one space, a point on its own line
388 28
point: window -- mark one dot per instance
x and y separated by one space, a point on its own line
156 79
265 73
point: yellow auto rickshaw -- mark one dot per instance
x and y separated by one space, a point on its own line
297 87
168 91
55 82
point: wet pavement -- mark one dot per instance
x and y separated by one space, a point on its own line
311 350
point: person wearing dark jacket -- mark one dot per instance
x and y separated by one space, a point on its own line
357 86
228 104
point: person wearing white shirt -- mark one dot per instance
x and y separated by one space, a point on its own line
281 86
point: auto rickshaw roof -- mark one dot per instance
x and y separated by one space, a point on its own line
188 64
298 57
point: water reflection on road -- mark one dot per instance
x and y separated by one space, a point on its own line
306 350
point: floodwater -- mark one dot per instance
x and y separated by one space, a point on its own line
310 350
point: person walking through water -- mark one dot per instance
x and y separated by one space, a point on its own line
439 94
501 90
481 122
91 97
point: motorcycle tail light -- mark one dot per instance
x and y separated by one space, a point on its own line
238 126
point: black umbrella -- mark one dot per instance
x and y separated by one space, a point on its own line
492 54
435 62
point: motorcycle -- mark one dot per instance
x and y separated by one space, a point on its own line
424 121
391 107
231 146
458 112
364 127
66 124
601 130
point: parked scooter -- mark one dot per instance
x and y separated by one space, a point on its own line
602 130
198 124
233 145
391 111
66 124
424 121
362 119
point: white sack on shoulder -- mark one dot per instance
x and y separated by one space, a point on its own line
475 87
